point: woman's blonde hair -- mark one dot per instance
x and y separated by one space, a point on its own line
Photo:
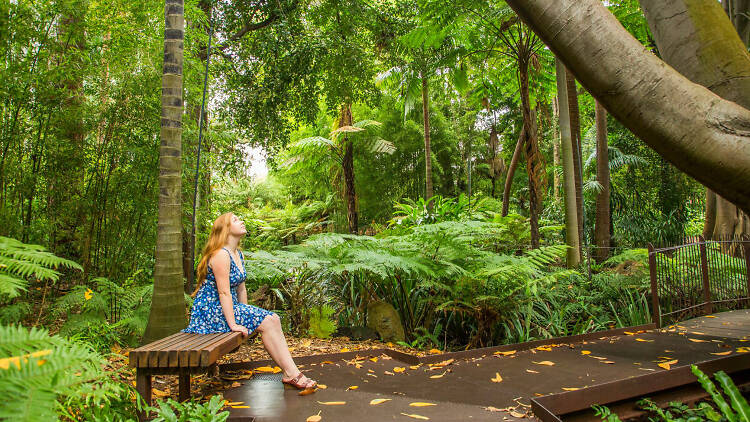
216 240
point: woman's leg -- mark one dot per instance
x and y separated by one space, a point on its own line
275 343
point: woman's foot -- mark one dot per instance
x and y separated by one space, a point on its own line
300 382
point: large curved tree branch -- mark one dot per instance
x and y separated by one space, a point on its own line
702 134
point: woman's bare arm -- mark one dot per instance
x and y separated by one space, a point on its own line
242 293
220 263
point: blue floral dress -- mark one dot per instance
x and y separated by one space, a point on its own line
207 316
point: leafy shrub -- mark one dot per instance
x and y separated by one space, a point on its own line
321 324
191 411
43 377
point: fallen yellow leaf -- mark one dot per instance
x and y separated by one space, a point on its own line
332 403
421 404
314 418
497 378
585 352
159 393
326 362
695 340
352 387
240 407
544 349
438 376
570 388
264 369
424 418
415 366
493 409
710 316
399 369
235 403
609 362
378 401
643 339
434 352
517 414
668 364
374 359
344 350
322 386
508 353
532 371
276 369
722 353
629 333
544 362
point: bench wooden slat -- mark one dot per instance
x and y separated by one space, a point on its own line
211 353
184 356
155 358
140 354
193 356
173 358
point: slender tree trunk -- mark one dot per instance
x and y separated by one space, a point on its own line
168 304
575 131
739 14
555 150
697 39
512 170
427 149
497 166
533 157
703 135
569 188
347 163
601 234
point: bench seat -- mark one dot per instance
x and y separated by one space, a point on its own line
180 354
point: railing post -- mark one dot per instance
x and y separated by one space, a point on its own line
708 308
655 312
745 242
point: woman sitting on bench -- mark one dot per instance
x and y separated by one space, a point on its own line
220 304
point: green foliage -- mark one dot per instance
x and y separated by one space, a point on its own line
321 324
20 262
42 375
191 411
107 314
738 403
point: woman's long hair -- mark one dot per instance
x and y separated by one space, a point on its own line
216 240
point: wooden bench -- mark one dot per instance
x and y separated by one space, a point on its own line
180 354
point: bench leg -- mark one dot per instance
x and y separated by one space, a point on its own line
184 386
143 386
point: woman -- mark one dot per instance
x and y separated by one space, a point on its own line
220 304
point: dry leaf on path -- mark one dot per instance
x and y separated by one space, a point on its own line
421 404
571 388
306 392
322 386
696 340
544 348
378 401
585 352
544 362
399 369
415 366
240 407
352 387
644 340
235 403
517 414
438 376
667 365
435 352
532 371
420 417
608 362
722 353
497 378
314 418
710 316
493 409
332 403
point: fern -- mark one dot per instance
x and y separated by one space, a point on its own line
38 372
321 325
20 261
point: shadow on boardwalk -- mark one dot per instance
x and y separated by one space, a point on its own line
460 384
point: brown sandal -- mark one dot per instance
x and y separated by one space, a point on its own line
294 382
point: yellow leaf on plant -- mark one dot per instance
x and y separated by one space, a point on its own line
88 294
373 402
544 362
420 417
497 378
585 352
399 369
421 404
332 403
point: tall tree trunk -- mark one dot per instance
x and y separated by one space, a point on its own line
534 166
350 195
66 155
703 135
168 304
601 233
569 188
427 149
697 39
497 166
738 13
575 132
555 150
512 170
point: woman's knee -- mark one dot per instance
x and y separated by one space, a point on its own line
270 322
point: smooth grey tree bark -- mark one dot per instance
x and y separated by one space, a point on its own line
601 228
700 133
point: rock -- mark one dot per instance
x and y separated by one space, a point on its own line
384 319
357 333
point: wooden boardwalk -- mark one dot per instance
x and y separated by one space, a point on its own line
461 386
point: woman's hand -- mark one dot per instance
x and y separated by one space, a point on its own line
239 328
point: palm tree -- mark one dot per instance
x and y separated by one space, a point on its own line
168 304
338 150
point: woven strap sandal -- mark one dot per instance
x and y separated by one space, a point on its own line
294 382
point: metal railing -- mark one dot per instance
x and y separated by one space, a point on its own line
699 278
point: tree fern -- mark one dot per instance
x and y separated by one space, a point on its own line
20 261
